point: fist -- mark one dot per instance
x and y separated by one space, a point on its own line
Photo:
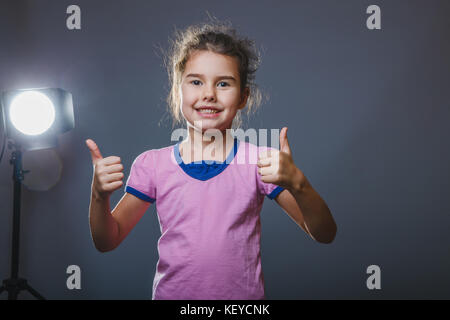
278 167
108 173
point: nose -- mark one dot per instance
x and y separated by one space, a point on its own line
208 94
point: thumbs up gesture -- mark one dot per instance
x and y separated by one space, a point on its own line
277 166
107 172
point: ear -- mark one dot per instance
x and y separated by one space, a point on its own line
244 98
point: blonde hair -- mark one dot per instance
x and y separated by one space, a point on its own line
218 37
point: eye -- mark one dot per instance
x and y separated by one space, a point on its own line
226 83
221 84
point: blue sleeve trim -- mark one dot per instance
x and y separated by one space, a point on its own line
275 192
139 194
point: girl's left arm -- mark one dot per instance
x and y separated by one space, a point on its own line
305 205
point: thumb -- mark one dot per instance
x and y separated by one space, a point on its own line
284 144
95 151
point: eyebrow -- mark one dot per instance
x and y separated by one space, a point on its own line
197 75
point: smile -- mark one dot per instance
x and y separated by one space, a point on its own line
208 113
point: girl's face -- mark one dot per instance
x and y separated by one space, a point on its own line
211 80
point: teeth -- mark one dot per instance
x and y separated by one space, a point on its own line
208 111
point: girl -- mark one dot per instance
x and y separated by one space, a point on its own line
208 203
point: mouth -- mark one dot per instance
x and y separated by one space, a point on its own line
208 111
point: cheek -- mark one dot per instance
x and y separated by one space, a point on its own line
229 98
188 97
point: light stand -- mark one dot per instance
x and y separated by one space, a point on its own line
32 119
15 284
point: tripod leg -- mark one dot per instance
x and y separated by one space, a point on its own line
13 293
36 294
12 286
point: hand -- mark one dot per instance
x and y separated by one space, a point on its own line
107 172
278 167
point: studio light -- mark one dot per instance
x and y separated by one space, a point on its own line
32 113
32 120
34 117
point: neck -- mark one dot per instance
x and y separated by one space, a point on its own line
200 145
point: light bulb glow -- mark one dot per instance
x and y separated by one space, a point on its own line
32 113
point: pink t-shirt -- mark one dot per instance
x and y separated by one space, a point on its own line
209 215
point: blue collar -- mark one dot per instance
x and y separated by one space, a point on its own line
205 169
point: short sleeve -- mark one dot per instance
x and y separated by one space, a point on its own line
141 181
268 189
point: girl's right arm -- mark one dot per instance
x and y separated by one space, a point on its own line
108 229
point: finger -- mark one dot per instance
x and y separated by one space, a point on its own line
113 168
118 176
264 171
95 151
265 153
113 186
111 160
269 179
274 158
284 144
264 162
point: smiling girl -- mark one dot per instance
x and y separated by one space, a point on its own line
208 195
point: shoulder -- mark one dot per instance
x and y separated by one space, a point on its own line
252 151
253 147
153 154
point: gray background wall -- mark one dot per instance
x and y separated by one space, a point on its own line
367 113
